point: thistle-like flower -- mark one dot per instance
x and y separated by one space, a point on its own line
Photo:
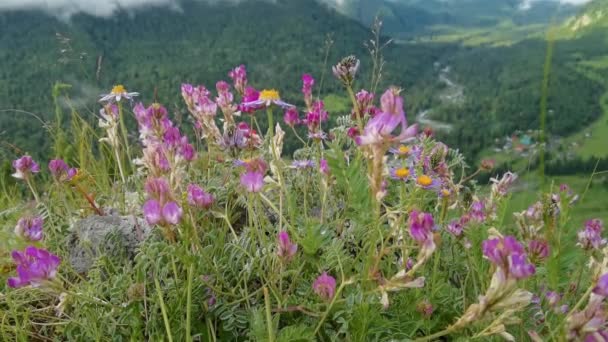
325 286
346 70
252 181
34 267
29 228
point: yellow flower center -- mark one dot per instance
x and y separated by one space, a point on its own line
445 192
404 149
269 95
402 172
119 89
424 180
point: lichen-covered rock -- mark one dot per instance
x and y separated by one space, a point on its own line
111 235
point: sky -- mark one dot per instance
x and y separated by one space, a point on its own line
105 8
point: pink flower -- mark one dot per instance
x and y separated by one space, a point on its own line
538 249
286 250
478 211
24 167
239 78
379 130
509 255
325 286
29 228
252 181
157 188
421 226
307 83
197 197
291 117
324 167
168 213
364 101
601 288
34 267
60 171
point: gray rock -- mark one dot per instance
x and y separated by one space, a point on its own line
111 235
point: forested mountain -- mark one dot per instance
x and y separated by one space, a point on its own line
157 48
409 18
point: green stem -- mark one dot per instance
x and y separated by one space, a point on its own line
189 303
32 189
163 309
351 94
333 301
123 129
268 315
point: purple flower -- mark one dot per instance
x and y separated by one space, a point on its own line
498 249
285 248
552 298
601 288
61 171
239 78
29 228
252 181
34 266
500 187
303 164
315 116
364 101
427 182
400 173
538 249
380 128
346 70
519 267
157 188
509 255
324 167
249 96
172 213
591 236
225 98
353 133
478 211
152 212
167 214
197 197
291 117
421 226
307 83
402 150
455 227
24 167
425 308
325 286
266 98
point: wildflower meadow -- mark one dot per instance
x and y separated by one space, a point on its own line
204 228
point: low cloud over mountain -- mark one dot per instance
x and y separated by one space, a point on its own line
66 8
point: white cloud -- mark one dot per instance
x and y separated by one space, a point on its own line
65 8
105 8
